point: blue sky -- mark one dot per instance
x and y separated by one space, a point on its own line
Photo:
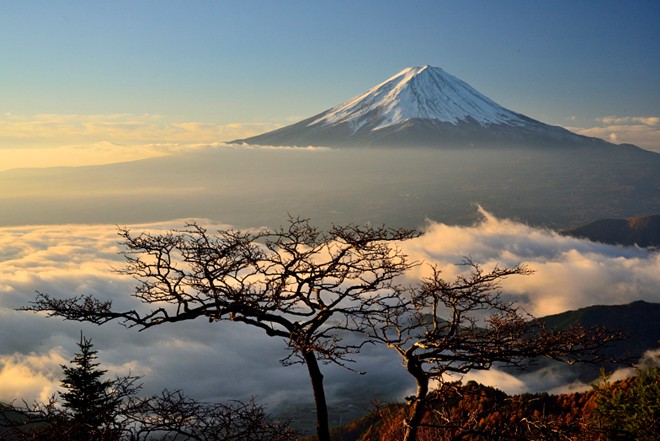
229 68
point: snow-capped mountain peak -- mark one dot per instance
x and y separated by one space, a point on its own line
424 92
421 107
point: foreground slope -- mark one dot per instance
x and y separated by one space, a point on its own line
640 320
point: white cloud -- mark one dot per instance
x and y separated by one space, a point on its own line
49 140
643 131
619 120
491 377
228 361
569 273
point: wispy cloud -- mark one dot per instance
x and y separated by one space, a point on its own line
70 139
118 128
643 131
643 120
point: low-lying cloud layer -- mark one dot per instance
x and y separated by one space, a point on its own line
569 273
222 361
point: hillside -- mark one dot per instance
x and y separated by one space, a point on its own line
638 321
643 231
476 412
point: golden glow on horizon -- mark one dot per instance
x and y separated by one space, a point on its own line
64 129
643 131
74 156
52 140
32 375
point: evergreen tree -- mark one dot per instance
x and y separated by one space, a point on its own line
87 395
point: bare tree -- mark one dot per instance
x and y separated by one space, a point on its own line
167 416
296 283
173 416
34 421
453 327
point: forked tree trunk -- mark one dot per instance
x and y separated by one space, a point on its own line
315 375
419 405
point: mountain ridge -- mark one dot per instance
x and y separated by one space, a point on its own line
643 231
421 107
421 93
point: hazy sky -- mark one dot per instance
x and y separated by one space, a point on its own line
158 75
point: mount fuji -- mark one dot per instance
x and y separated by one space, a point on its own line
421 107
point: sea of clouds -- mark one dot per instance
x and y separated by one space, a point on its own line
223 361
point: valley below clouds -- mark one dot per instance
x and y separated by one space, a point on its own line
225 361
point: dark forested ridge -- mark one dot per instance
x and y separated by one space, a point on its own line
638 321
643 231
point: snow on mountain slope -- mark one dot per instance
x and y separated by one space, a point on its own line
422 107
418 93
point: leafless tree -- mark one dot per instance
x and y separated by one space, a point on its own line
34 421
173 416
167 416
296 283
114 412
453 327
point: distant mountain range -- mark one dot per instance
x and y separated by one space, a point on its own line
421 107
643 231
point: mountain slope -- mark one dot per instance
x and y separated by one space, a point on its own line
638 321
421 107
419 93
640 230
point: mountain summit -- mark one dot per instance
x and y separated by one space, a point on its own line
421 106
419 93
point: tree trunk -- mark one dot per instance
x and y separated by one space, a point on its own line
315 375
419 405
